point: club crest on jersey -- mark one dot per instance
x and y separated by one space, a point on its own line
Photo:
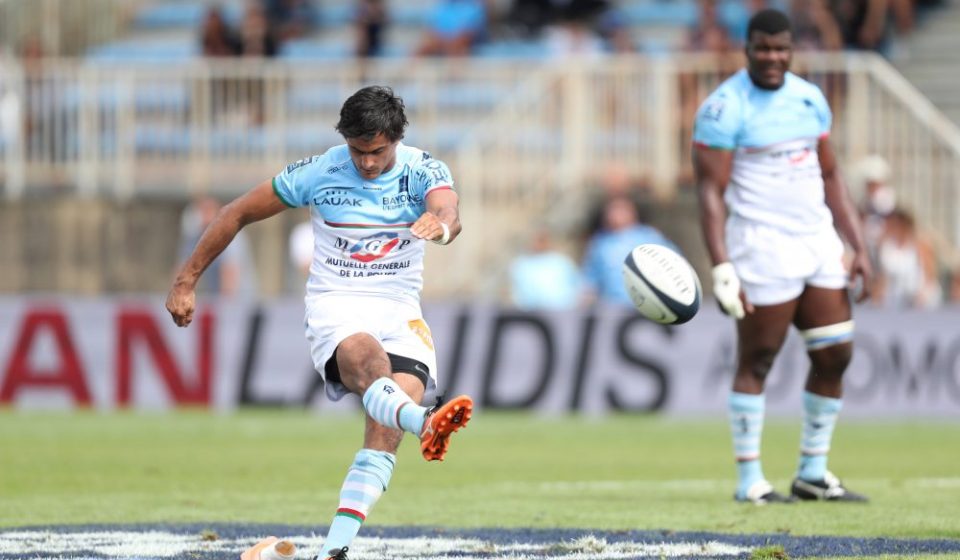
374 247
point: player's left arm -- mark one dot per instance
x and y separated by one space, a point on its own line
845 217
441 222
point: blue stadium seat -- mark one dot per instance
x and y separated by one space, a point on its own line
145 51
179 14
411 15
312 49
512 49
681 13
188 15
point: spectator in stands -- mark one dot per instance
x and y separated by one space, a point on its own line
36 109
216 37
456 26
289 19
587 28
616 181
603 261
544 277
231 274
370 22
709 34
530 17
908 266
871 177
573 33
814 27
863 23
257 37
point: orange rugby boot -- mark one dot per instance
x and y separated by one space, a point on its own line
442 420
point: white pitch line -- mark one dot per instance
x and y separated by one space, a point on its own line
160 544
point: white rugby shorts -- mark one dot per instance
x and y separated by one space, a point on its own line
397 325
774 266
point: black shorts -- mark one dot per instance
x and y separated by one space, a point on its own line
400 364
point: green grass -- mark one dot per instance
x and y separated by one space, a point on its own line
625 472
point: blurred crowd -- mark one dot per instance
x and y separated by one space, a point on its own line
565 27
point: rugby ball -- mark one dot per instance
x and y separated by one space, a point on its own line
662 284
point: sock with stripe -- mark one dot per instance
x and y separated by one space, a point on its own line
746 426
819 419
367 479
390 406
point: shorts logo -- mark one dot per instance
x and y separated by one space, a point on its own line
374 247
420 328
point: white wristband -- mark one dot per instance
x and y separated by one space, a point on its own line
446 235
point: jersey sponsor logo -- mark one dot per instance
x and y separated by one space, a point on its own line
401 200
300 163
372 187
374 247
336 196
337 168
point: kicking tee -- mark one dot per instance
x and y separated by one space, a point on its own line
361 227
776 178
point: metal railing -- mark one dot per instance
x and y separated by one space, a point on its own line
62 27
519 135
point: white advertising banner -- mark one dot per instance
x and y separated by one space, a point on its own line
117 353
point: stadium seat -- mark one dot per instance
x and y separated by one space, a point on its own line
680 13
146 51
511 49
187 15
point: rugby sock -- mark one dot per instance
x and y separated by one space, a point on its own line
367 479
819 418
746 425
390 406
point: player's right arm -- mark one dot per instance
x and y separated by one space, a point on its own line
712 168
258 204
715 138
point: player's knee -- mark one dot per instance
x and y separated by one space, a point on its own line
761 362
832 360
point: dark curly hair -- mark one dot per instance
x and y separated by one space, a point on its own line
768 21
370 111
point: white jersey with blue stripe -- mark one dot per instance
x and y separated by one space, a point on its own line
776 177
361 227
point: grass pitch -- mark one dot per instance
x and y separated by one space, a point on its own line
504 470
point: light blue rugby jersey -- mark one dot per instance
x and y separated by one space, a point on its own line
776 178
361 227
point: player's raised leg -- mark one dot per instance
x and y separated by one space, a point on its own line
389 405
824 321
760 335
